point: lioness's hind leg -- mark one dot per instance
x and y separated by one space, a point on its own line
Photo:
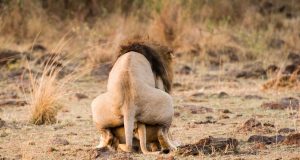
106 138
154 147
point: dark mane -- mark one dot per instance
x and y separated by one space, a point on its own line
156 60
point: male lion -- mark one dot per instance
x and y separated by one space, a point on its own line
137 92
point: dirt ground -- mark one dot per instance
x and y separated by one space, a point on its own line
207 103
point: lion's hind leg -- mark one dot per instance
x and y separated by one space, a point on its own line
143 139
164 139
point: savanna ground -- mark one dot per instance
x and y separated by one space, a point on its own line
236 74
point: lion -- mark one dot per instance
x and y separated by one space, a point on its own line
137 93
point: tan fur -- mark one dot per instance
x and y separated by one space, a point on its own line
151 136
132 97
159 57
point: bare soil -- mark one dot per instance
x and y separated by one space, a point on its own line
222 107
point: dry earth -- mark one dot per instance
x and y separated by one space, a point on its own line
208 102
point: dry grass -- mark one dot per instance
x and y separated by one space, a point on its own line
45 96
283 82
187 26
104 52
48 88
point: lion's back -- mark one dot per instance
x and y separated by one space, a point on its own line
132 67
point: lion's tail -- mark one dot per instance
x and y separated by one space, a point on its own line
127 90
128 107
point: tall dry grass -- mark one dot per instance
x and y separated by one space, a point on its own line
48 88
24 18
45 97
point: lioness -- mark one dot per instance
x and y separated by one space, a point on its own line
133 94
141 133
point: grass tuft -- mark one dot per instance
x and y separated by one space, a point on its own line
47 88
46 92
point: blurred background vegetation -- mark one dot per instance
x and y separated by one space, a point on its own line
232 30
18 16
